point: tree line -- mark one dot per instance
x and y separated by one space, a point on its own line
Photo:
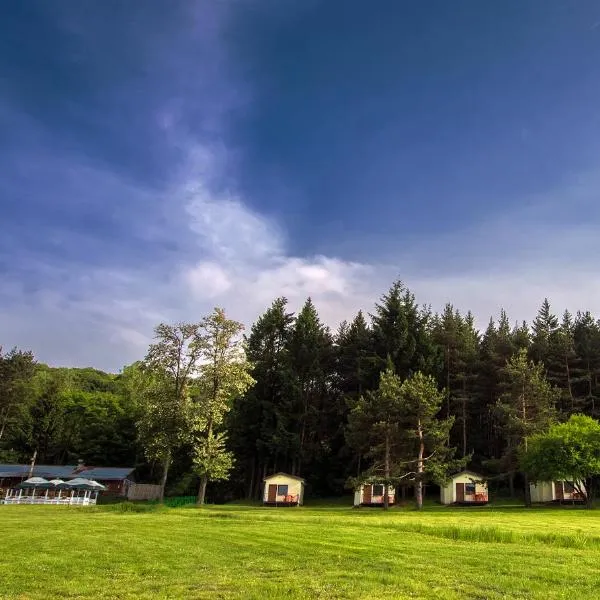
402 395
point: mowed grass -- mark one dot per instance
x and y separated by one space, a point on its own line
310 552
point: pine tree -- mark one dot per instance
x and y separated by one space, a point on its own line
526 407
374 430
355 361
311 355
459 343
261 423
401 331
586 337
426 451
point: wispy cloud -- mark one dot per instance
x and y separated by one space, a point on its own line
94 255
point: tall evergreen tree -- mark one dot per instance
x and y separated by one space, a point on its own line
428 455
311 355
401 331
586 337
374 431
526 407
261 423
459 341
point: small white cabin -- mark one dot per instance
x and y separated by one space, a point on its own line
282 489
555 491
465 487
371 494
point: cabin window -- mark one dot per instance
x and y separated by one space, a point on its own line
378 490
469 488
569 488
282 490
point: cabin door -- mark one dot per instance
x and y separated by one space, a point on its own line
367 494
460 492
272 495
558 486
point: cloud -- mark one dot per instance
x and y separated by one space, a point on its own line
229 255
94 254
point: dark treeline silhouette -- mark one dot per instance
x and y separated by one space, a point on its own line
308 378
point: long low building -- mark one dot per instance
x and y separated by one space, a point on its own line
116 480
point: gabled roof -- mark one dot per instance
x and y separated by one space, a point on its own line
105 473
467 472
281 474
67 472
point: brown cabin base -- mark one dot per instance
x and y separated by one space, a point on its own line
280 503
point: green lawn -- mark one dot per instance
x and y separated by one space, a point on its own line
328 552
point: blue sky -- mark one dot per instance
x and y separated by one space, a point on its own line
160 158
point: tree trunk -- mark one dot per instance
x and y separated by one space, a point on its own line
420 469
4 421
464 425
569 387
511 484
252 472
163 483
202 490
386 499
527 491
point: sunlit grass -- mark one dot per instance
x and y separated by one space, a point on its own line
310 552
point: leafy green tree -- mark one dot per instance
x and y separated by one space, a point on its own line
223 377
17 369
42 426
568 451
526 407
161 386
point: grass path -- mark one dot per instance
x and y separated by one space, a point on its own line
244 552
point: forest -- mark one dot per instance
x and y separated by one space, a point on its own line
401 394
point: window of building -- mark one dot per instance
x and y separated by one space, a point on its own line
378 489
282 490
469 488
569 488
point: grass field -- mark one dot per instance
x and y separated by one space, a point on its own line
328 552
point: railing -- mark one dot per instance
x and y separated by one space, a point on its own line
66 500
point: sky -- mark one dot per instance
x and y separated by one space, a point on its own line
160 158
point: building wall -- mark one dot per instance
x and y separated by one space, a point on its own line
542 491
143 491
545 491
295 487
448 492
360 494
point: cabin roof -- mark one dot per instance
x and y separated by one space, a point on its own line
467 472
66 472
281 474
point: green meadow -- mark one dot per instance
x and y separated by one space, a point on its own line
135 551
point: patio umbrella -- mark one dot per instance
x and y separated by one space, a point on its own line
33 482
80 483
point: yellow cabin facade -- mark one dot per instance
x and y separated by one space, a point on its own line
282 489
371 494
555 491
465 488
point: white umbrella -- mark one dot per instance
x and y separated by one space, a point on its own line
33 482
